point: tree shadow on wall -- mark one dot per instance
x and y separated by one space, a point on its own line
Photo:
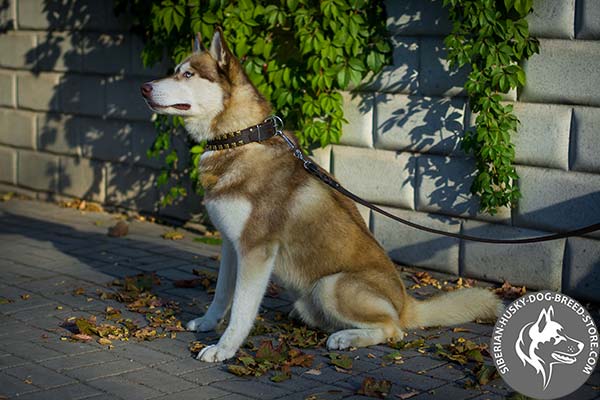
97 121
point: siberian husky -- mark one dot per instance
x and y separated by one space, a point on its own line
275 218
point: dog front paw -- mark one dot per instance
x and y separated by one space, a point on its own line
214 353
202 324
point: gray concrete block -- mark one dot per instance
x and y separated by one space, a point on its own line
104 139
38 92
322 156
443 186
358 111
8 89
416 17
137 67
106 53
403 75
143 135
552 19
131 187
585 140
41 15
587 20
564 72
184 208
420 124
37 171
537 265
58 133
17 49
123 99
379 176
581 276
82 178
17 128
8 16
435 77
557 200
542 138
58 51
82 94
8 165
410 246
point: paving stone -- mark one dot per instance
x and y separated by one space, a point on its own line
537 265
91 372
414 247
547 81
38 92
8 361
408 379
542 138
358 111
587 19
142 354
251 388
71 392
361 170
557 200
552 19
419 124
207 376
403 75
118 386
581 275
447 372
449 391
93 357
17 49
443 186
202 392
18 128
11 386
585 142
40 376
421 364
415 17
435 77
7 89
158 380
8 165
180 367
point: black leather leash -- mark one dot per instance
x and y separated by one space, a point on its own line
318 172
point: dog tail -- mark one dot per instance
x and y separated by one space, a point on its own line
452 308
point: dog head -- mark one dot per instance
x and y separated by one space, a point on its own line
199 88
544 343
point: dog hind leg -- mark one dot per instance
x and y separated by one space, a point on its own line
348 301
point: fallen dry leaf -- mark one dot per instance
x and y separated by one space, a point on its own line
120 229
104 341
25 296
172 235
5 300
372 387
408 395
508 291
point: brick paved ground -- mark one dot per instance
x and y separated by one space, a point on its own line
47 251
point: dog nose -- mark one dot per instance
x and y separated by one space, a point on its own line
146 89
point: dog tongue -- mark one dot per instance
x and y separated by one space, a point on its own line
181 106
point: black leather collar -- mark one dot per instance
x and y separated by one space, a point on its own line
256 133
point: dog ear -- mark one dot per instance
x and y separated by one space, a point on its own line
544 318
218 48
197 44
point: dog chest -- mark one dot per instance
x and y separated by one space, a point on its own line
229 215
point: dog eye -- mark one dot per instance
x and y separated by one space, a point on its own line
187 74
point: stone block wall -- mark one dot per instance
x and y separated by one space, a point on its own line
401 150
72 124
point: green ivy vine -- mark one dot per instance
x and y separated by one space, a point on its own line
492 37
299 53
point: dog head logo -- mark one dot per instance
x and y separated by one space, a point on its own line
544 343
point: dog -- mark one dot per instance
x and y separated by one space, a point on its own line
543 344
276 219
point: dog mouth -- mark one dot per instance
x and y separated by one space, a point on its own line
563 358
179 106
